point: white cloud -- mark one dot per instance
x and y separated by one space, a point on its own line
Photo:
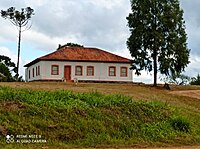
8 31
44 42
7 52
35 3
93 23
193 68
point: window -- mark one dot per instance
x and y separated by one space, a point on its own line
79 70
90 70
38 70
54 70
124 72
112 71
29 74
33 73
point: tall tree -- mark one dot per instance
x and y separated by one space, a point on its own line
19 19
158 38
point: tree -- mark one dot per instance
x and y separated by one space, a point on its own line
5 72
179 79
69 44
158 39
5 64
195 81
19 19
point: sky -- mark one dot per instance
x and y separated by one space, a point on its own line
92 23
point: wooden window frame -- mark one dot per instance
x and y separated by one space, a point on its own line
109 72
76 70
52 71
121 73
88 67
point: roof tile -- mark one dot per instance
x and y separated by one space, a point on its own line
81 54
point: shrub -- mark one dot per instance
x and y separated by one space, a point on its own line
181 124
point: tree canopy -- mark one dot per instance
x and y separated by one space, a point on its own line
5 64
158 38
19 19
7 61
179 79
195 80
69 44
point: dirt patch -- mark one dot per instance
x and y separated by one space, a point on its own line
188 93
11 106
3 130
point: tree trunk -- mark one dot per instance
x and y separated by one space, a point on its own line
155 54
155 67
18 55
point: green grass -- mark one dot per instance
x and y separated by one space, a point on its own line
67 119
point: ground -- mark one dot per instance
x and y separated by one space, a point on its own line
184 96
188 93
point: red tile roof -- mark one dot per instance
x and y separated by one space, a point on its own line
81 54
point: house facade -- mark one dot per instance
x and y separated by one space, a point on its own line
81 63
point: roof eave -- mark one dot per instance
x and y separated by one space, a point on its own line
32 63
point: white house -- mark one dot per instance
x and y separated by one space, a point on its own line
82 63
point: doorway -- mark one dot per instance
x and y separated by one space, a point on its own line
67 73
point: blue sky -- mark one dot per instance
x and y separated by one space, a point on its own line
93 23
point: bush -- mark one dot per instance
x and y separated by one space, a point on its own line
195 81
181 124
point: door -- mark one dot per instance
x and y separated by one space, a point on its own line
67 73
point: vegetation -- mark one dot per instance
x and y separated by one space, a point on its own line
195 80
182 80
179 79
7 68
67 119
5 65
70 45
6 75
158 37
20 20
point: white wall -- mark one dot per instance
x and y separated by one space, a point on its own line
38 77
100 71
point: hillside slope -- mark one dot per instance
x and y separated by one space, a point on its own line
61 119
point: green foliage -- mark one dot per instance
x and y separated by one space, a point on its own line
6 72
87 119
157 131
179 79
157 37
195 81
181 124
70 45
7 61
6 67
20 19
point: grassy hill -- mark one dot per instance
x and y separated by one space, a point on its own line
92 117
